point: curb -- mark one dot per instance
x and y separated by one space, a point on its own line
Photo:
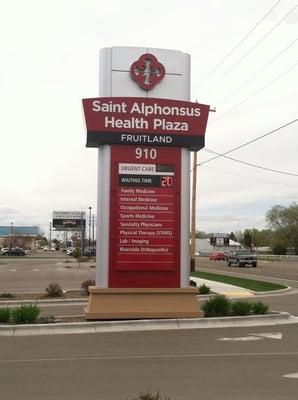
146 325
271 292
43 302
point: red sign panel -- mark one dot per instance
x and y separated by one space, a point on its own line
145 217
145 121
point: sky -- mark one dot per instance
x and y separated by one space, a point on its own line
243 64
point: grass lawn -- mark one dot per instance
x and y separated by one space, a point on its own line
257 286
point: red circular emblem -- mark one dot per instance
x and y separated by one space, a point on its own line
147 71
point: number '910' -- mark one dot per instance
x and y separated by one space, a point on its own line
147 154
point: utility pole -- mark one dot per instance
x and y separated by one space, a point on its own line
193 210
82 233
193 215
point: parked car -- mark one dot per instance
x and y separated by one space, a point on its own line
4 250
14 251
241 258
69 250
217 256
90 253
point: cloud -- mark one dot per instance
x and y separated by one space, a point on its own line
229 222
8 211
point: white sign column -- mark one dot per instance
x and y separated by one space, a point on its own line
114 80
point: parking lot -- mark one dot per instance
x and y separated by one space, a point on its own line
32 274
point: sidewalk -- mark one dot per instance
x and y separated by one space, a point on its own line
223 288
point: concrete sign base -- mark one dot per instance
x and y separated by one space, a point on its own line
132 303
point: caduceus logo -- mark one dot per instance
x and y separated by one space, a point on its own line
147 71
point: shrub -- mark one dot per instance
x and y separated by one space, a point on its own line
76 253
217 306
241 307
85 285
83 259
259 308
150 396
203 289
6 295
4 314
25 314
54 290
279 249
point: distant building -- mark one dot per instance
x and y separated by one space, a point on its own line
204 247
18 236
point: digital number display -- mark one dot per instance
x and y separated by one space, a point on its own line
167 181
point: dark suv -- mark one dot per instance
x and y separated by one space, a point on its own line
89 253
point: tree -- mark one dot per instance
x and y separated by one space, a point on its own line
233 237
284 222
261 238
279 248
42 240
247 238
202 235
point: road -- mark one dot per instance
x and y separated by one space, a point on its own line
230 363
34 274
281 271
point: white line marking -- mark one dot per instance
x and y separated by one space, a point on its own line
153 356
13 270
36 270
240 339
254 336
275 335
294 375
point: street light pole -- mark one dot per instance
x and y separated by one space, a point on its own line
11 232
93 223
90 208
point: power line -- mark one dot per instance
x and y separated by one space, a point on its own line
256 73
236 46
254 165
248 52
249 177
250 141
255 93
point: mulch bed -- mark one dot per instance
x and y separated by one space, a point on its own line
71 294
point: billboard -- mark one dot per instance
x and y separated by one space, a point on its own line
219 241
69 220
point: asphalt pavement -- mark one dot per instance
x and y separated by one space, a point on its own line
248 363
256 363
32 275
